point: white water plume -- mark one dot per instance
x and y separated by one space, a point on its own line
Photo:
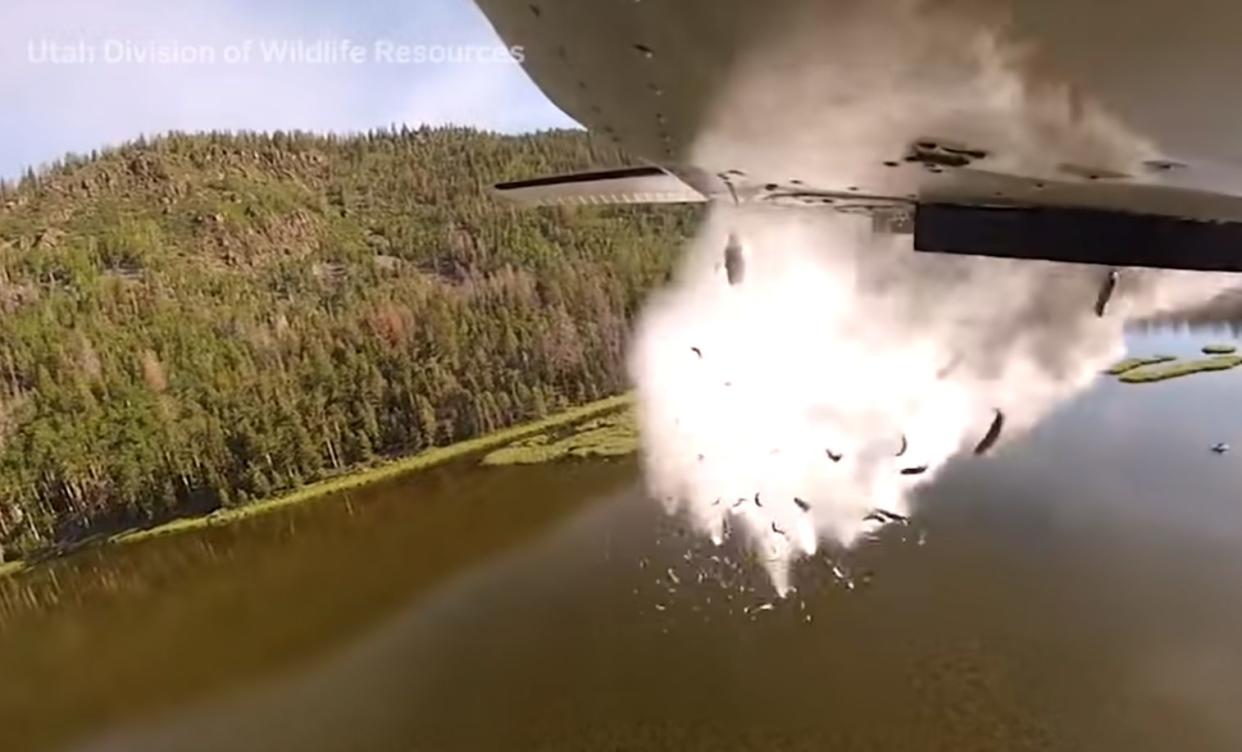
778 408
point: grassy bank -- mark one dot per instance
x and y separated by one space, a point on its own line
12 567
366 476
614 435
1148 374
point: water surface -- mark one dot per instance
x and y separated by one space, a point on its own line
1078 590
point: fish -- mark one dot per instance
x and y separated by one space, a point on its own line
757 502
802 504
904 446
885 516
993 435
1221 448
843 577
1106 293
914 470
697 352
735 262
949 367
777 530
739 503
834 456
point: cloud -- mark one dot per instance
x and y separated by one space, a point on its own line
76 76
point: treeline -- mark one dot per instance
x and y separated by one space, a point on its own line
1223 312
196 321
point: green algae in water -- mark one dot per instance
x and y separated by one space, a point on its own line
1148 374
614 435
1129 364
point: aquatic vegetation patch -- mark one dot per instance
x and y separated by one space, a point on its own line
613 435
1129 364
1149 374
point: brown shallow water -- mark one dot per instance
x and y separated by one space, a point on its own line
1079 590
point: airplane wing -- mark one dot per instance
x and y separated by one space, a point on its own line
631 185
1050 129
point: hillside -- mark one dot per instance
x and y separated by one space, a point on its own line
198 321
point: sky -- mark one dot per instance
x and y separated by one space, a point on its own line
82 74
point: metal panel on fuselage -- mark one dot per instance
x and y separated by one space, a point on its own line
657 76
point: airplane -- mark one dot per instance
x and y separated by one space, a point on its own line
1089 132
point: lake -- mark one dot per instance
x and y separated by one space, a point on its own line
1079 589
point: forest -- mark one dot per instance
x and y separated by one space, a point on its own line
197 321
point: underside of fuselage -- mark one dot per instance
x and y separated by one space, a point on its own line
990 117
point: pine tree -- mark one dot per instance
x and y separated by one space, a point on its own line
197 320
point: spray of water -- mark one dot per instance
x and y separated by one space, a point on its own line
845 369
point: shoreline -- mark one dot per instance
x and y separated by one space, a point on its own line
356 478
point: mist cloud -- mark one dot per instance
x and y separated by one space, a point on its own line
846 370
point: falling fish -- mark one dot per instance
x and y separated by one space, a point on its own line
882 515
914 470
757 502
735 263
802 504
952 365
993 434
760 608
904 446
697 352
673 576
1106 293
777 530
842 577
834 456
